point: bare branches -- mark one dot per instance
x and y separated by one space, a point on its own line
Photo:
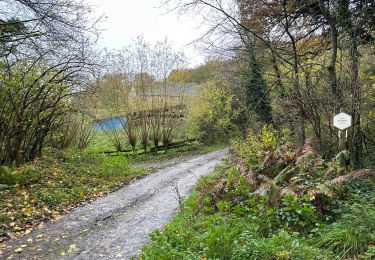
46 60
134 86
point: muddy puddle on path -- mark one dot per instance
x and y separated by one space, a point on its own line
117 226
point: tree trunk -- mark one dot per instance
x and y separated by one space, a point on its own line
356 144
331 68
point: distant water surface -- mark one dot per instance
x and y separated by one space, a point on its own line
109 124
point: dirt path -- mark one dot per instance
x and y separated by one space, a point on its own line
117 226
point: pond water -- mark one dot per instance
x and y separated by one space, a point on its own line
109 124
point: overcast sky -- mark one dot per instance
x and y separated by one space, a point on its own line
127 19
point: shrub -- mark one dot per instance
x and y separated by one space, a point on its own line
297 213
249 151
211 113
269 138
369 254
231 219
252 150
40 100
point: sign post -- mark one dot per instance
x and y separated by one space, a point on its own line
342 121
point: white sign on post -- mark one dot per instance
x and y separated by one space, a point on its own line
342 121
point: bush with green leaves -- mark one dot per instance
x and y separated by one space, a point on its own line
211 113
251 150
297 213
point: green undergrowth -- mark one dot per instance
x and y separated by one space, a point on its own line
54 184
241 226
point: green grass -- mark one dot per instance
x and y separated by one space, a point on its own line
192 149
56 183
102 143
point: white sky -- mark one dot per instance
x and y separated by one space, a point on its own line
127 19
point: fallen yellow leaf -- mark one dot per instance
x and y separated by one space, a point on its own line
57 217
39 236
17 228
18 250
23 246
27 211
119 255
30 240
62 253
71 248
